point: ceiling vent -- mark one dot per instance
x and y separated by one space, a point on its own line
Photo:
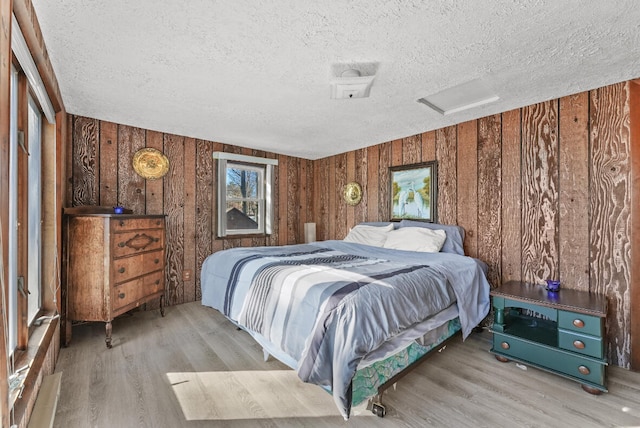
351 82
462 97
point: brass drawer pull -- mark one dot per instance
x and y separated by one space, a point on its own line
578 344
584 370
157 281
121 244
504 345
121 295
156 261
121 270
121 223
578 323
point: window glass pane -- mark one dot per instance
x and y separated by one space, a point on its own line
34 210
242 215
13 215
244 191
242 183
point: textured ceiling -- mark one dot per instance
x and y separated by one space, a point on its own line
255 73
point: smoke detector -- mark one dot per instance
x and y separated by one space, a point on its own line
350 83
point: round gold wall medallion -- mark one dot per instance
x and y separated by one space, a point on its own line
150 164
352 193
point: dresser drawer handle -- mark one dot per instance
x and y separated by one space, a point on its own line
157 281
584 370
121 223
158 223
121 295
504 345
578 323
156 239
578 344
121 270
156 261
121 244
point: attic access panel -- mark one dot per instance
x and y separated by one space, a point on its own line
462 97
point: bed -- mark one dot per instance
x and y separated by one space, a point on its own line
352 315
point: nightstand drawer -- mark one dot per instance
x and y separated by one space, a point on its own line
138 241
580 343
556 360
585 324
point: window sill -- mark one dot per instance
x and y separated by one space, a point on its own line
247 235
23 398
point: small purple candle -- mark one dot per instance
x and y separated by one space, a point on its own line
553 285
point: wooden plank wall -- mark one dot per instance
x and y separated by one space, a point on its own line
610 210
100 172
634 112
542 192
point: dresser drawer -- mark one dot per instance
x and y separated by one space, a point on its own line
585 324
128 268
123 224
135 291
580 343
134 242
557 360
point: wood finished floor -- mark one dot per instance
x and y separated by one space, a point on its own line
194 369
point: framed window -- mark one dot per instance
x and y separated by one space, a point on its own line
25 212
31 155
29 107
245 194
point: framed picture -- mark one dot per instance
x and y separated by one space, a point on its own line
413 191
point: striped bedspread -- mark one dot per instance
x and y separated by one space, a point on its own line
326 305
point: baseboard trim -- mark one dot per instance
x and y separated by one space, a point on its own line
44 410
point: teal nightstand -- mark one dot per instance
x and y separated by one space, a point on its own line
563 332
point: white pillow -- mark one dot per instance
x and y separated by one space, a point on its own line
369 235
455 234
416 239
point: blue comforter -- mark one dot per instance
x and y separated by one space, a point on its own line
328 304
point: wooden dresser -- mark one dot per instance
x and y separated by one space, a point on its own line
113 263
